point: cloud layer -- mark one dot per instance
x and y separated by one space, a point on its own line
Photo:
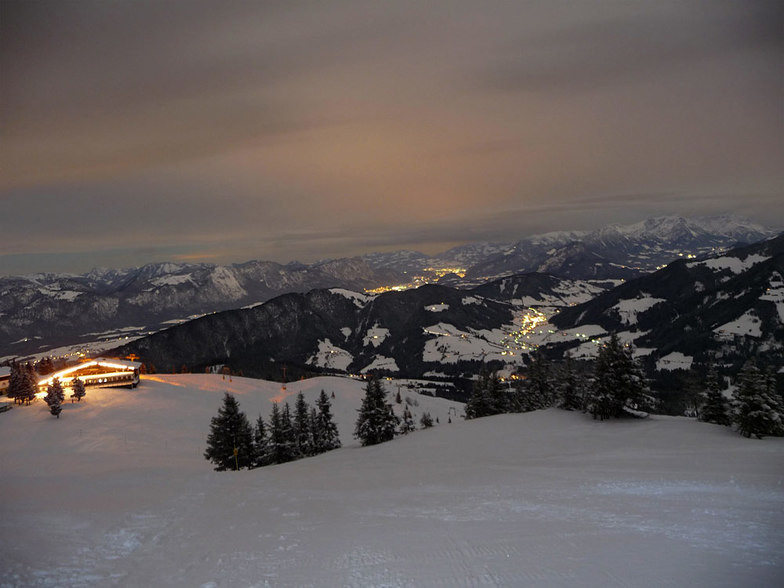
239 130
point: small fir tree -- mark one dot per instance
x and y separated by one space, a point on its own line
77 390
619 384
485 392
230 441
756 410
15 382
29 384
538 389
276 443
569 387
54 397
326 435
715 406
290 449
376 422
260 444
407 424
426 421
303 432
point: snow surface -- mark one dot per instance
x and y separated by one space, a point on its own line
116 492
437 307
734 264
629 309
375 336
675 361
748 324
359 300
331 356
450 345
380 362
173 280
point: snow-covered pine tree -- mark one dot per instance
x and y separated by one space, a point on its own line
715 406
54 397
569 387
230 430
426 421
376 422
485 392
290 449
77 390
538 391
260 444
325 429
303 432
756 410
15 382
29 384
407 424
619 384
276 443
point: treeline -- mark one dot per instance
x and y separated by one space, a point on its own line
614 385
234 444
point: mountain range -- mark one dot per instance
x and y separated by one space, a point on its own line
42 311
720 310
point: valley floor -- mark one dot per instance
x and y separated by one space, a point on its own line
116 492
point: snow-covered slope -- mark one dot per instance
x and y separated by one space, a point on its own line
116 492
723 309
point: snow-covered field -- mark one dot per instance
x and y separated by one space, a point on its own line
116 492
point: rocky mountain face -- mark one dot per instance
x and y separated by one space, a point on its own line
430 330
323 329
57 309
721 309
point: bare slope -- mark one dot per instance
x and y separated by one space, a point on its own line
116 492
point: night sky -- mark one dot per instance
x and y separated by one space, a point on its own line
225 131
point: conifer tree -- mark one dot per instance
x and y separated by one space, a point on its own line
78 390
260 444
315 431
569 387
15 382
303 433
325 429
618 384
715 406
376 422
756 410
426 421
288 450
538 389
407 424
276 443
28 385
282 440
54 397
484 399
230 431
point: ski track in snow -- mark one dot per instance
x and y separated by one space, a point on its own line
541 499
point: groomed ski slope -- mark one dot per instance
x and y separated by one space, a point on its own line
116 492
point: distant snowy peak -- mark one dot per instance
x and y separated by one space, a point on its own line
556 238
673 229
468 255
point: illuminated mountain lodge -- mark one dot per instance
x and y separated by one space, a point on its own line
97 373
